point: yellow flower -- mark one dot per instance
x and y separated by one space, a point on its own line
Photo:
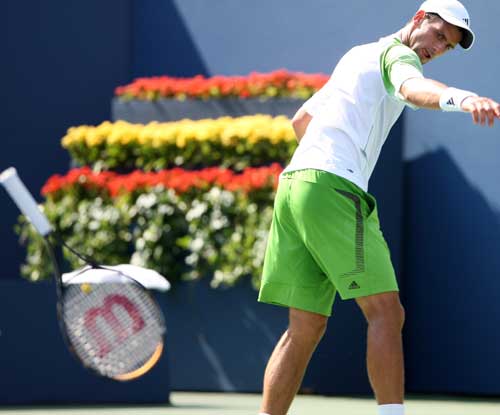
105 128
226 130
75 135
93 138
145 135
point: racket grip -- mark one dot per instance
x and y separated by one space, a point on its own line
24 200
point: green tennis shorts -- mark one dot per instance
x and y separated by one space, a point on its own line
325 237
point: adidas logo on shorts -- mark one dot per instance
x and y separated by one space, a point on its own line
354 286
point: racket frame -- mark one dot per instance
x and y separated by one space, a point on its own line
50 247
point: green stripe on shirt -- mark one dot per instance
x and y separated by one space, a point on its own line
396 56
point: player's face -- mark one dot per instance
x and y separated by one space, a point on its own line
432 37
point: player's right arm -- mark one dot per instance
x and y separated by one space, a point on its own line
430 94
403 78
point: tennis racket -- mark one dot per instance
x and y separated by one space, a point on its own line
108 319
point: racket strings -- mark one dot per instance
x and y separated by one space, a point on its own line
115 328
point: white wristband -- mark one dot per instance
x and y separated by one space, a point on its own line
451 99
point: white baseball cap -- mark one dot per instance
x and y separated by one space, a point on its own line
454 13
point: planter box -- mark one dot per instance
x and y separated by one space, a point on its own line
137 111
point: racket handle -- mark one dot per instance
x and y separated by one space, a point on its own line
24 200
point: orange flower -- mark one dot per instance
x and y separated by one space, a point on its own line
277 83
180 180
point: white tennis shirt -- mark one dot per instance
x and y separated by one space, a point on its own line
355 110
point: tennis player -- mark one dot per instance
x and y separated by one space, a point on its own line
325 236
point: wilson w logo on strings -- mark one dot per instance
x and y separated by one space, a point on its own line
120 330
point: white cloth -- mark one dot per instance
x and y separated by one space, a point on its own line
353 114
149 278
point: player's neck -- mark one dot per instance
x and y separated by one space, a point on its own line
404 35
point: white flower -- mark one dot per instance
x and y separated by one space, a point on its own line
227 198
236 237
196 244
217 279
192 259
94 225
137 260
218 223
140 243
252 208
146 200
152 234
217 196
213 194
197 210
165 210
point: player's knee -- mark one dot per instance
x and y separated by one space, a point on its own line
383 309
391 317
307 325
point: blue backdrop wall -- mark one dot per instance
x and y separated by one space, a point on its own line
60 64
62 60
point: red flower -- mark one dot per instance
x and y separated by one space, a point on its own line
200 87
180 180
53 185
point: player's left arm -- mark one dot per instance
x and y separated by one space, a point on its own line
313 107
300 121
431 94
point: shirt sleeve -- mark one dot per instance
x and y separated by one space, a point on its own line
398 64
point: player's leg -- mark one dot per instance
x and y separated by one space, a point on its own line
290 358
384 356
356 257
291 278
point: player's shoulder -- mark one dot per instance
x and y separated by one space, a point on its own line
393 49
365 51
385 50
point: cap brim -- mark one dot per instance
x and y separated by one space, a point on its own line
468 35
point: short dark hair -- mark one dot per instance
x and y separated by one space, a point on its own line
432 15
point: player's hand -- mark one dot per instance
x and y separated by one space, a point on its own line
482 109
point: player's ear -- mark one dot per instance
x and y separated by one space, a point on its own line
418 18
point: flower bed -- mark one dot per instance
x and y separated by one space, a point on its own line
185 224
279 83
227 142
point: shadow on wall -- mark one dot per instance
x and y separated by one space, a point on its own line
452 281
158 51
219 340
